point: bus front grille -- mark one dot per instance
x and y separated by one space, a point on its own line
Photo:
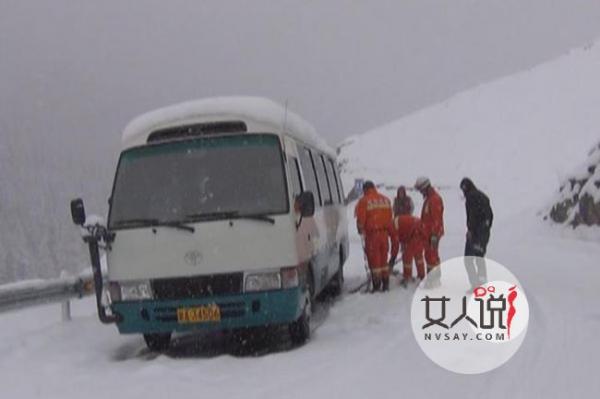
198 287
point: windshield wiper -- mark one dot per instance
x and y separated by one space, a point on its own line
262 217
154 222
178 225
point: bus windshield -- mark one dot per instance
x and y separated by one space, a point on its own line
198 179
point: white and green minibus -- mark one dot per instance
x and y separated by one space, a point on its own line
225 214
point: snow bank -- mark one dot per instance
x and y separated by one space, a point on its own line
257 109
578 200
515 137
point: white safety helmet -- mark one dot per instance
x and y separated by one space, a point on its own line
422 183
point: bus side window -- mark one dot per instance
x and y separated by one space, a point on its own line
322 179
335 194
309 174
338 182
294 177
341 184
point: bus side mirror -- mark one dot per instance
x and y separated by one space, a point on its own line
78 211
305 203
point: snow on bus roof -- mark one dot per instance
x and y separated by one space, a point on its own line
257 109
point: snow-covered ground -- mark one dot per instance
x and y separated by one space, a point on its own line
362 345
514 137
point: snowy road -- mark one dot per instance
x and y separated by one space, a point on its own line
362 346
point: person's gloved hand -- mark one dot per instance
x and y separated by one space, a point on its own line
434 240
392 263
469 235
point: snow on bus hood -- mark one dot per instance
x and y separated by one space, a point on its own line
258 109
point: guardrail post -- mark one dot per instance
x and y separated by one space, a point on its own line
65 306
66 310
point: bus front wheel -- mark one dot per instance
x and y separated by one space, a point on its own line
300 329
157 342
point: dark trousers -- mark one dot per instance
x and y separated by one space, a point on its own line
475 249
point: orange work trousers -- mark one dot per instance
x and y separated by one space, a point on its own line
432 255
377 247
412 251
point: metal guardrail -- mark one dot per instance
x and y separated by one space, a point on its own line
36 292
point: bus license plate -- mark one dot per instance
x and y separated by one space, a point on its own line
199 314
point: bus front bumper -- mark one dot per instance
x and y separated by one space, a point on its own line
236 311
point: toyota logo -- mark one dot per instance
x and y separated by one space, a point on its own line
193 258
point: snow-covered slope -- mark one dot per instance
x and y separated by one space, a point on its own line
515 137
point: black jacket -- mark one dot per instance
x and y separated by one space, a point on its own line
479 212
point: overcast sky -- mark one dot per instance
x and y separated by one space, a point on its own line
83 68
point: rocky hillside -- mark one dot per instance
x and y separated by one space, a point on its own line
578 201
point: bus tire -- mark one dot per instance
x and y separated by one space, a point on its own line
300 329
336 285
158 342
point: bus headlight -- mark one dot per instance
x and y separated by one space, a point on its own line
289 277
264 281
132 290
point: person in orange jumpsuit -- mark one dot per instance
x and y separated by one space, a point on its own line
410 234
374 222
432 222
403 204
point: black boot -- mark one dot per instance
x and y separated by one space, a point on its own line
376 284
385 284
